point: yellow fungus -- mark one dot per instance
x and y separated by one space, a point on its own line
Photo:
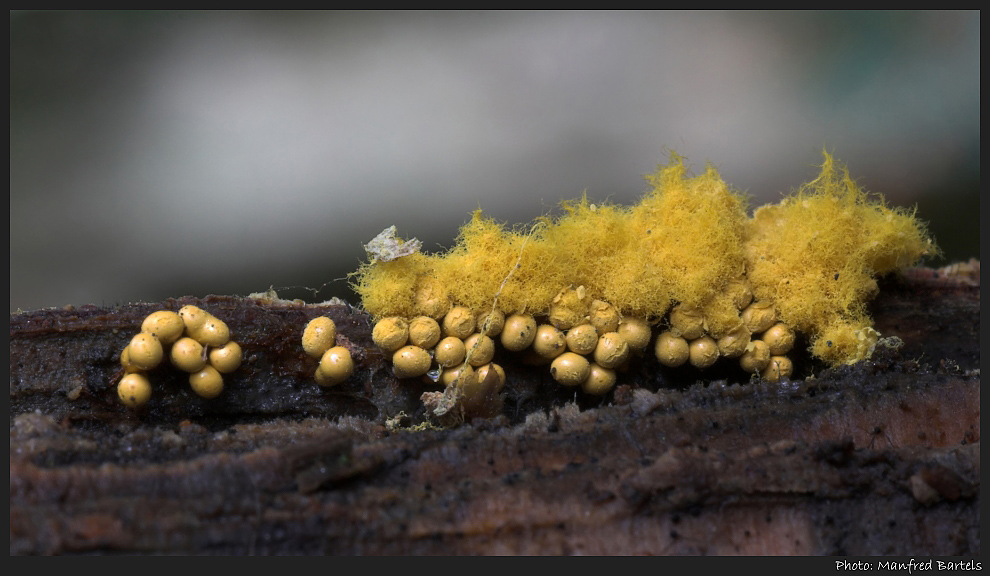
687 321
779 368
733 343
671 350
213 332
480 349
636 332
166 325
759 316
450 352
145 351
226 358
134 390
756 357
410 362
812 259
424 332
703 352
187 355
603 316
599 381
207 383
570 369
582 339
459 322
391 333
779 339
518 332
549 342
193 317
490 323
319 336
611 350
336 366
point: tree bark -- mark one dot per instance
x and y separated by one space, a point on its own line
880 458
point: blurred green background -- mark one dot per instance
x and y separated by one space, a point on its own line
162 154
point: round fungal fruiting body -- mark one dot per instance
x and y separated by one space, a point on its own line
145 351
430 298
450 352
207 383
336 366
703 352
319 336
490 323
636 332
424 332
603 316
779 368
410 362
756 357
740 293
166 325
212 333
733 343
549 342
518 332
687 321
611 350
671 350
582 339
134 390
226 358
193 317
570 369
759 317
459 322
569 308
779 339
391 333
452 376
125 361
599 381
187 355
479 349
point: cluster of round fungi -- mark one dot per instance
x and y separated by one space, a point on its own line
583 340
759 341
319 341
196 342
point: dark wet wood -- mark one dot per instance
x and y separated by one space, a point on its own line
878 458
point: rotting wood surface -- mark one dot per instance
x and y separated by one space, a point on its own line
877 458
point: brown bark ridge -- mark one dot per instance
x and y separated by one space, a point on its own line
879 458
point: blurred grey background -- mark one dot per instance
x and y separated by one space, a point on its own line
168 154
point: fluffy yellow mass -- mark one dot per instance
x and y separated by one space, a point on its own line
814 257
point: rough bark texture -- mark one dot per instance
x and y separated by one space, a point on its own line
878 458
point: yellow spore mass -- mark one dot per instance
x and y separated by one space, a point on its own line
814 257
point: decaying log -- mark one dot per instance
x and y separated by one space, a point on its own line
877 458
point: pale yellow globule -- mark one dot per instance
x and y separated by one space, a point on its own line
134 390
145 351
319 336
207 383
227 358
570 369
391 333
549 342
518 332
410 362
187 355
336 366
166 325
